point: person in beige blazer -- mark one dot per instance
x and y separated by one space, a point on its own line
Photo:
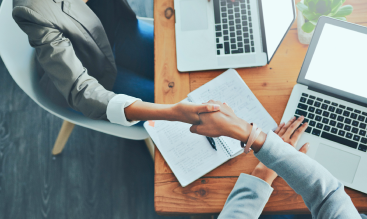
98 58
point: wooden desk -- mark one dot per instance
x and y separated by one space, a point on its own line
272 85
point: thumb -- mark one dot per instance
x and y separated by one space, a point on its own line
207 108
304 148
194 129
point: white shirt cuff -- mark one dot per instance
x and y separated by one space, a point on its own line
116 109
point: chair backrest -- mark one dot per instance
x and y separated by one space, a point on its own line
19 58
146 19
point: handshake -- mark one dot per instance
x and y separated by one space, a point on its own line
214 119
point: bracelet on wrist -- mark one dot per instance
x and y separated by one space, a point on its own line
255 132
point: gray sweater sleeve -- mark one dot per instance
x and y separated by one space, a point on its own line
323 194
247 199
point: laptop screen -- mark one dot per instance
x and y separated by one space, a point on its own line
339 60
335 63
278 16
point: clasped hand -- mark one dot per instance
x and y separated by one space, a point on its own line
221 123
225 123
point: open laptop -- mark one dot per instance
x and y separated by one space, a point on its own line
331 93
220 34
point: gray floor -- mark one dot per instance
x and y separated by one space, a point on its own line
97 176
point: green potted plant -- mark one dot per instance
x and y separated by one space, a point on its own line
311 10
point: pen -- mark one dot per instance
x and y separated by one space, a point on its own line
212 142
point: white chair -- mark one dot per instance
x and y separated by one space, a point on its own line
19 58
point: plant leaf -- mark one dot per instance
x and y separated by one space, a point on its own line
306 2
335 6
340 18
308 27
309 15
301 7
314 22
344 11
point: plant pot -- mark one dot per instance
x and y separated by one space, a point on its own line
303 37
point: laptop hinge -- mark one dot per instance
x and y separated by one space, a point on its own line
337 96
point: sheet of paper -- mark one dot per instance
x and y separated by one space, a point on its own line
231 89
189 155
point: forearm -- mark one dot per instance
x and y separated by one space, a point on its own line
140 110
182 111
247 199
322 193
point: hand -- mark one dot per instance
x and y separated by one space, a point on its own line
226 123
189 112
290 133
220 123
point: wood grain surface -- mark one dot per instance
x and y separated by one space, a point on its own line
271 84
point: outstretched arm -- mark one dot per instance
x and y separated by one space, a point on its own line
251 193
83 92
323 194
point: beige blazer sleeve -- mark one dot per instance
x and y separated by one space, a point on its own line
56 55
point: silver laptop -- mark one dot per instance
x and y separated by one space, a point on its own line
220 34
331 93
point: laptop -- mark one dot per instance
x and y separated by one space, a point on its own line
221 34
331 93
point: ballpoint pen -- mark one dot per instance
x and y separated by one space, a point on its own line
212 142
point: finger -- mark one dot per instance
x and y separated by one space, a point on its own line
218 102
285 127
194 129
293 127
228 106
300 130
200 130
305 148
211 101
298 133
278 128
206 108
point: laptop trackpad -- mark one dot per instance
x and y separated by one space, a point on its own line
194 15
341 164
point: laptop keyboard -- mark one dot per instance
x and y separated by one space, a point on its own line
333 121
233 26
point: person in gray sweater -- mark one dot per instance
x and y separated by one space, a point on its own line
323 194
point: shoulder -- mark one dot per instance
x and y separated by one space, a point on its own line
35 11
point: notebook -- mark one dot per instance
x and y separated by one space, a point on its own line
190 156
